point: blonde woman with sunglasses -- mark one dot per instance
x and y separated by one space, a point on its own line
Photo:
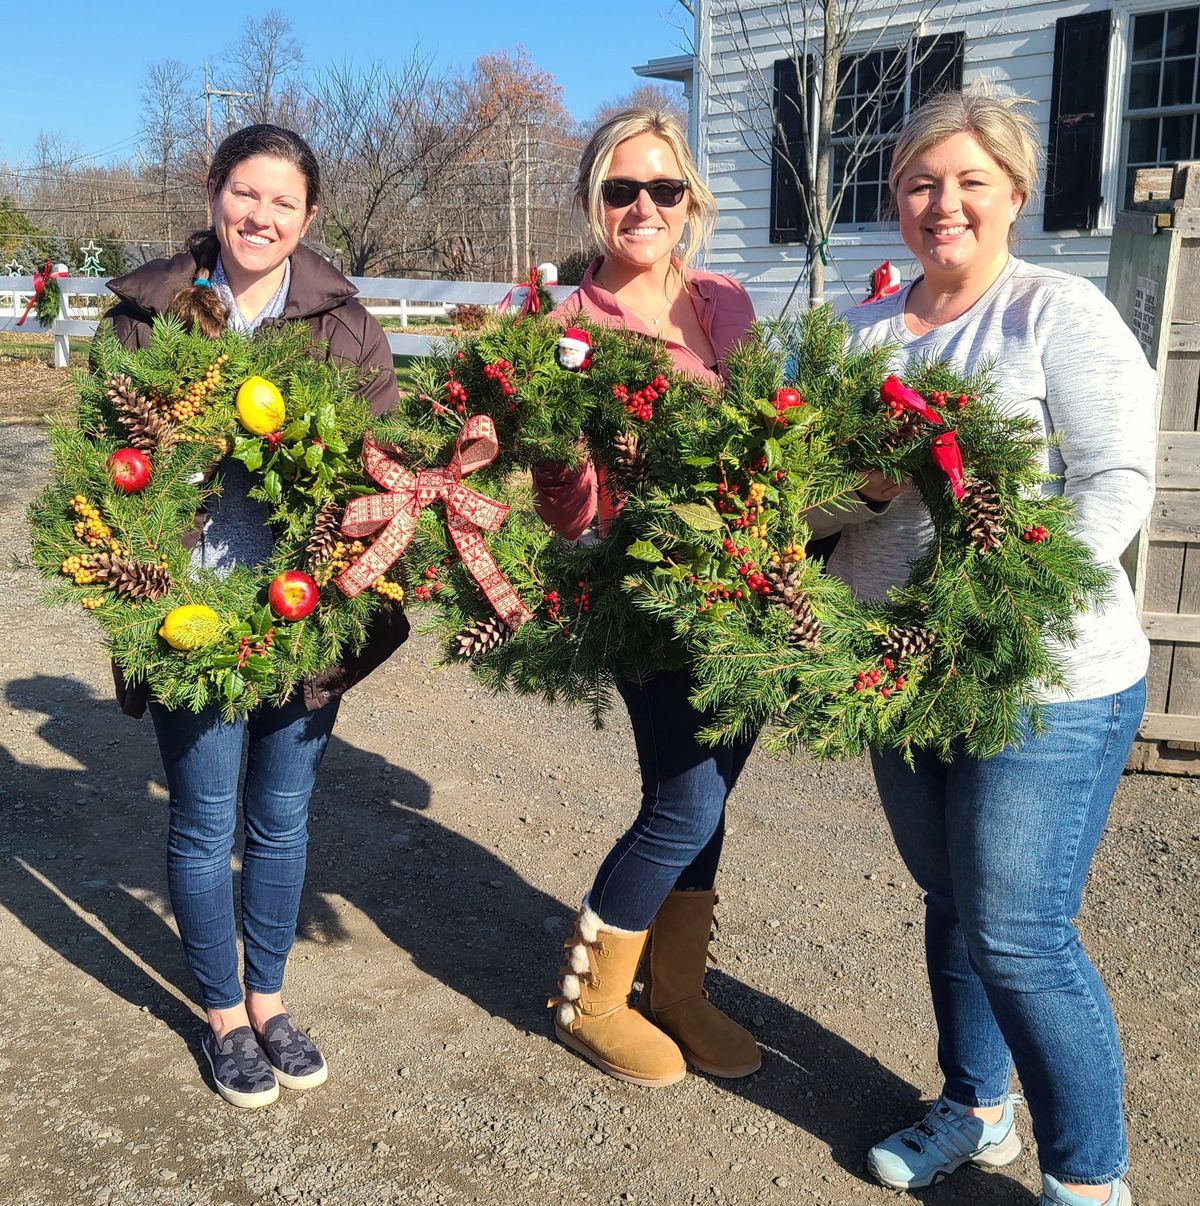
640 195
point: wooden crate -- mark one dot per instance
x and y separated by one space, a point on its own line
1154 280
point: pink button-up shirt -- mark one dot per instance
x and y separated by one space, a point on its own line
568 499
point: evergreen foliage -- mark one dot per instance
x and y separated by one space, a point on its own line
313 462
705 561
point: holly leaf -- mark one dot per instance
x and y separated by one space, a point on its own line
272 486
700 516
773 453
296 430
312 458
249 452
644 550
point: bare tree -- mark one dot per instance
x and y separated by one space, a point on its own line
169 128
644 96
387 140
266 64
829 102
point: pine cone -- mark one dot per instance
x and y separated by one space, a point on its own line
147 428
482 636
631 470
907 429
908 642
324 536
130 579
981 501
805 632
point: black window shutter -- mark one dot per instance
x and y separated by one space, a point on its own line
939 66
789 218
1077 121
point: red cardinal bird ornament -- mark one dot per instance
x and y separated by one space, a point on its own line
900 398
948 458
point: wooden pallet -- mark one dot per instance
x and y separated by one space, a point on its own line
1154 280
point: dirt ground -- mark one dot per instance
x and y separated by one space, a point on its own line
451 834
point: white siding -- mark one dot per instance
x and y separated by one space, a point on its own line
1011 47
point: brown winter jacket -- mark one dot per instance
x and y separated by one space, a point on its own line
321 296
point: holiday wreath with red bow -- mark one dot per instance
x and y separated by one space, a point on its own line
703 557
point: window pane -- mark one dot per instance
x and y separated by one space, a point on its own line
1143 141
866 203
1177 81
1176 139
891 116
1147 36
1143 85
1181 32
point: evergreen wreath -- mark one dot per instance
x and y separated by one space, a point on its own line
705 564
134 464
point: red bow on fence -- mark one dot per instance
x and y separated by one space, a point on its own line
408 493
49 272
532 303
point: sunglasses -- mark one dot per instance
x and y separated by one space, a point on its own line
619 191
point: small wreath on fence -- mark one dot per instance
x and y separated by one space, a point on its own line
135 464
705 563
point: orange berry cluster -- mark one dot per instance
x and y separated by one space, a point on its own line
340 559
191 403
792 553
92 602
90 528
389 590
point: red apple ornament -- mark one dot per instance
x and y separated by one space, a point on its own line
129 469
292 595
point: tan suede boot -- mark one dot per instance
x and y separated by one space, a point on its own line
673 995
593 1015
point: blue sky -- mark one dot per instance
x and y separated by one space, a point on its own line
590 48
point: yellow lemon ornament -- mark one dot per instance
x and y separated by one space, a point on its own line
259 406
191 627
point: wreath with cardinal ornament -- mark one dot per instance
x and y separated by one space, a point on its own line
140 457
704 563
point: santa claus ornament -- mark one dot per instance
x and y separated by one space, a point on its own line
574 350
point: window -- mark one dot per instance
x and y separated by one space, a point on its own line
876 90
1161 111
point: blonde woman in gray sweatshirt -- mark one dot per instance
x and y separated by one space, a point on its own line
1002 846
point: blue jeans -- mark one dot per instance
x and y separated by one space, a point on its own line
202 757
1002 847
675 841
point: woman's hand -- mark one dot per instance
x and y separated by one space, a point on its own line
880 489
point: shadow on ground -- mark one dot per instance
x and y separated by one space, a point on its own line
85 873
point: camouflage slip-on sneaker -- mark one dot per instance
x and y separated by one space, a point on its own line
241 1071
297 1062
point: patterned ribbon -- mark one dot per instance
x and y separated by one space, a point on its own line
408 493
532 303
39 285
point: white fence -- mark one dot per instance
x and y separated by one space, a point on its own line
397 295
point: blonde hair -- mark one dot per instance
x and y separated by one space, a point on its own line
597 158
996 123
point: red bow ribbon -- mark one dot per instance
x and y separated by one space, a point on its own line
39 286
408 493
532 303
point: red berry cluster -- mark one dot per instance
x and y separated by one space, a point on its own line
746 568
583 600
456 394
639 403
423 593
942 398
1035 535
869 679
498 371
553 605
248 648
714 591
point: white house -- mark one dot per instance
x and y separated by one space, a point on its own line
1113 87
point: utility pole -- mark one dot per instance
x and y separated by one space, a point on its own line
230 96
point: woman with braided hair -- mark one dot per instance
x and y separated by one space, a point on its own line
245 272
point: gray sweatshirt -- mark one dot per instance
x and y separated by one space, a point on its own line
1063 356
